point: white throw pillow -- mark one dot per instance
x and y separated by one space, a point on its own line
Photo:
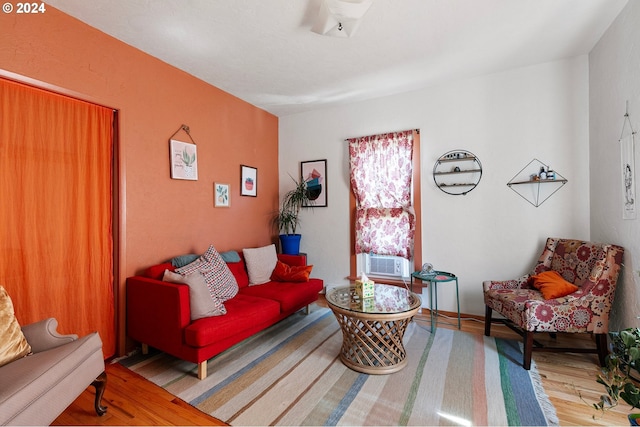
203 304
260 263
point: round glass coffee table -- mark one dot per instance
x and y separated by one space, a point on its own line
373 328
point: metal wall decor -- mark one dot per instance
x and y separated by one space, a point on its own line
457 172
536 182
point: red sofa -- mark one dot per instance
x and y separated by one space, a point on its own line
158 312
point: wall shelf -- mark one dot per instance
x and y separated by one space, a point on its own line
457 172
534 188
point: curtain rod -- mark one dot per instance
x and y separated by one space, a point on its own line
384 133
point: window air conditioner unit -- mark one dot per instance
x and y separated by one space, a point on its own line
383 265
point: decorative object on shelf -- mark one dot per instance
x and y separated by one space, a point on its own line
536 182
248 181
457 172
314 173
627 157
222 195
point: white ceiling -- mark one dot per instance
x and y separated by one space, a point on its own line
264 52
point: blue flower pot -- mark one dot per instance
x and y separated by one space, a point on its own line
290 243
633 419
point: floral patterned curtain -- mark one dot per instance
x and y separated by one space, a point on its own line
381 172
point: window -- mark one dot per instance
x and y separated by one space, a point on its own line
385 214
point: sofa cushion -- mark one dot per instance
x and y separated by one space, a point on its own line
288 273
230 256
293 260
13 344
216 273
239 271
243 312
157 271
182 260
552 285
290 295
260 263
201 302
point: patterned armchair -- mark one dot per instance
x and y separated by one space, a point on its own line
593 267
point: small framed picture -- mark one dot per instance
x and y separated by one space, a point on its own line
314 173
184 162
222 195
248 181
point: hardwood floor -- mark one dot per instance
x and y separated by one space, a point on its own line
132 400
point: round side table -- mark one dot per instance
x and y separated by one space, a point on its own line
433 279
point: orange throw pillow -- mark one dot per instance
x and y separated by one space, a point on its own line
552 285
288 273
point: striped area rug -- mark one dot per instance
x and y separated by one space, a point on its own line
290 374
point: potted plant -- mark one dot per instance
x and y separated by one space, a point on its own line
288 219
620 375
188 160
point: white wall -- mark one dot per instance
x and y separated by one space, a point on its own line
614 78
506 119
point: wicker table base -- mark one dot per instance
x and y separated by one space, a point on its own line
372 342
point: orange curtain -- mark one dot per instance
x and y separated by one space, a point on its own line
56 247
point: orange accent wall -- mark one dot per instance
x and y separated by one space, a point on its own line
160 217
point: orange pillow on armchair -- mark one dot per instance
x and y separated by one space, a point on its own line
552 285
288 273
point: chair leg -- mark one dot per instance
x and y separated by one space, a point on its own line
528 349
601 345
487 320
100 384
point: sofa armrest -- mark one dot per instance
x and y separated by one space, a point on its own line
43 335
157 312
519 283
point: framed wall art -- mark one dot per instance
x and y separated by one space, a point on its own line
248 181
627 159
184 160
222 195
314 173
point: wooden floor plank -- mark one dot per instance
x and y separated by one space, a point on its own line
132 400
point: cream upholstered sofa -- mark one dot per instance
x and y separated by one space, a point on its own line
48 372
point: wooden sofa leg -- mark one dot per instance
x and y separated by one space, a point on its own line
528 349
307 309
100 384
202 370
145 348
487 320
601 345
